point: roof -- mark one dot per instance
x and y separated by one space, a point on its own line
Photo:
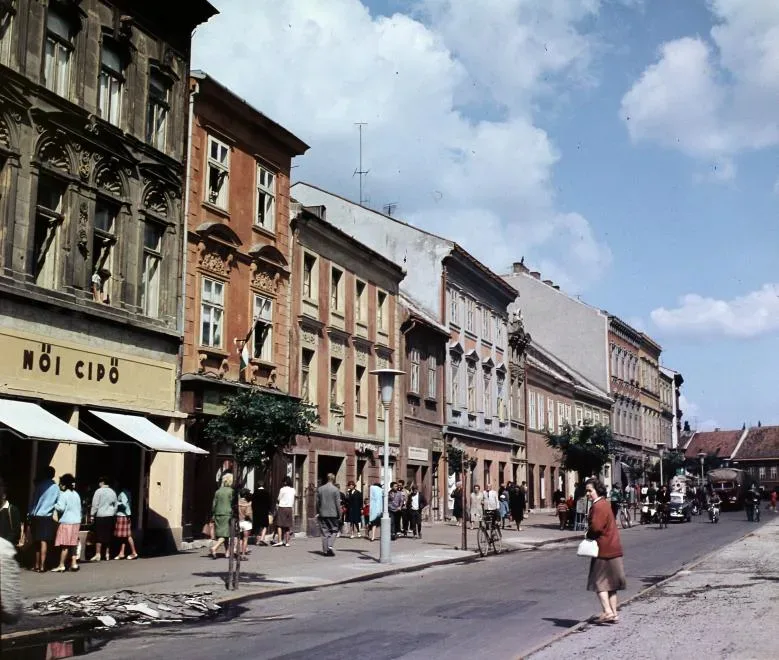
542 366
761 442
418 312
719 443
293 142
571 374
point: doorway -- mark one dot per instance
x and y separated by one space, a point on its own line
327 464
531 486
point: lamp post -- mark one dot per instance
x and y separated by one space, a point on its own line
386 384
701 458
661 450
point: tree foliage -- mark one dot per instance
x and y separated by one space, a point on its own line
257 425
585 449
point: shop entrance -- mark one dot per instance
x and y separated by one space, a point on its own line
326 464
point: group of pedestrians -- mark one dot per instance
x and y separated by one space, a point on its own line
55 518
507 504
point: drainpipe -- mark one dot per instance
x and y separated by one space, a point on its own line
184 241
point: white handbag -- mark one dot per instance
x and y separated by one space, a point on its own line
587 548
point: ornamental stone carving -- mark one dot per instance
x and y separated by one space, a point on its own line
109 180
382 362
337 349
213 261
264 279
5 134
85 164
83 226
154 201
307 337
361 355
54 154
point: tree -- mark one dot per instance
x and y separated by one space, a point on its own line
585 449
256 426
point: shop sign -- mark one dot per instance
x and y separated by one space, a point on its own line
43 366
417 454
394 452
438 445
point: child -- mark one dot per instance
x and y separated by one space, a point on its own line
562 513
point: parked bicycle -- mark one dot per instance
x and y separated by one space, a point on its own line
623 515
489 534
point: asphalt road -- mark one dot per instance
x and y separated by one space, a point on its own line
494 608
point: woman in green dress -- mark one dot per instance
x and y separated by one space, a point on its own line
221 511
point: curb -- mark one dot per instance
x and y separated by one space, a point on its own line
469 556
627 601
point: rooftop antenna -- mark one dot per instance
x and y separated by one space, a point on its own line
389 209
361 172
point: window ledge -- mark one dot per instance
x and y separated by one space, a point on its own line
412 394
361 416
264 231
212 351
337 313
262 363
216 209
431 399
311 301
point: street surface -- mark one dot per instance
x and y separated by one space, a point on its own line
499 607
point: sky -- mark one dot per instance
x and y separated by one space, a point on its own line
627 149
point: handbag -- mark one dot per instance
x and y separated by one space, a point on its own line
587 548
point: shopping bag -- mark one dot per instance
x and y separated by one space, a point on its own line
587 548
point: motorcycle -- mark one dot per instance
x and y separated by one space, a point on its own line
714 513
648 513
754 510
694 510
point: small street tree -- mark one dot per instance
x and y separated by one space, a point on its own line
585 449
257 426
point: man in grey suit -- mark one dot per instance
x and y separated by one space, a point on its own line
328 509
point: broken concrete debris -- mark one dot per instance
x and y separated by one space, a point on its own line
128 606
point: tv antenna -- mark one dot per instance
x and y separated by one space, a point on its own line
389 209
361 172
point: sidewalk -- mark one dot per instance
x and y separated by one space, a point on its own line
723 607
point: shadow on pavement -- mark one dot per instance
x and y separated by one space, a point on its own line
246 577
561 623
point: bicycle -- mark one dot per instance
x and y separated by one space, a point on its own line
623 515
489 534
663 515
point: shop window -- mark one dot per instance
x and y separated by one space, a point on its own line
152 259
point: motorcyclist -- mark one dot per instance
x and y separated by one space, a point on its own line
752 501
714 502
663 501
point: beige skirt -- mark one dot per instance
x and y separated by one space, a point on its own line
606 575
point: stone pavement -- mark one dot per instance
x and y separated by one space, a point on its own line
270 570
725 606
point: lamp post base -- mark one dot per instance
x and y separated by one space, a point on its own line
385 549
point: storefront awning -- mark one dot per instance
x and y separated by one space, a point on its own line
33 422
147 433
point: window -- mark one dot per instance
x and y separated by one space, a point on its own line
500 408
103 241
455 384
560 415
111 82
266 198
309 276
487 394
414 359
59 48
471 390
306 360
605 419
596 417
531 409
470 312
486 324
454 307
579 415
211 313
48 217
568 413
499 331
336 278
761 472
6 36
218 172
263 328
432 380
152 258
550 414
588 413
335 369
540 409
359 301
772 472
359 377
157 111
381 312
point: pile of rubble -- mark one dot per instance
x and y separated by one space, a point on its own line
131 607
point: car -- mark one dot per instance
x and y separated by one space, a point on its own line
680 508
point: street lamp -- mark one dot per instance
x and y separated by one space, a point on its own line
701 458
386 385
660 450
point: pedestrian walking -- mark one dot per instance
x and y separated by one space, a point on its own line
457 496
503 500
221 512
562 513
517 502
477 506
261 508
328 511
10 519
103 513
353 509
404 514
607 571
774 496
616 498
245 516
123 529
68 508
491 505
285 505
43 527
415 503
375 508
342 511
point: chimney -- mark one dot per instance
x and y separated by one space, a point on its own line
536 274
717 429
556 287
549 282
519 267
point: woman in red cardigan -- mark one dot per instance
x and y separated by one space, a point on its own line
607 572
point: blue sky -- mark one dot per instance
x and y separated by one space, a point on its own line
626 148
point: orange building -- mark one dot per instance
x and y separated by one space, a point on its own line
238 253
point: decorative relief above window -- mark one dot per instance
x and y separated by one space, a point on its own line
54 154
154 200
108 179
5 133
264 278
337 349
214 261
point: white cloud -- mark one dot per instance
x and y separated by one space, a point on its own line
713 98
754 314
319 67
